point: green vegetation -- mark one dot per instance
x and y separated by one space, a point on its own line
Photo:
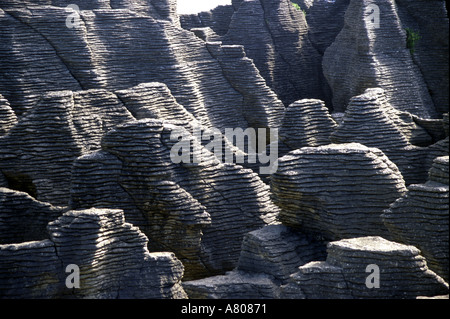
411 39
296 6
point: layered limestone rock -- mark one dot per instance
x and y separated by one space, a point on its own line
268 258
369 54
429 20
371 120
307 123
37 154
275 36
7 116
117 48
420 218
22 218
337 191
366 267
111 256
321 34
218 19
200 211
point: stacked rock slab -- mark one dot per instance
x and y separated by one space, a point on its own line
22 218
275 36
371 120
366 267
111 256
268 257
322 35
114 49
366 55
307 123
337 191
37 154
200 211
420 218
429 19
218 19
7 117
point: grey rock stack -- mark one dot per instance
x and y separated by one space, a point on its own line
218 19
22 218
199 211
275 37
420 218
365 55
371 120
268 258
367 267
307 123
337 191
111 256
7 116
38 153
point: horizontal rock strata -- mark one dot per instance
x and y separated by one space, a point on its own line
268 257
337 191
352 267
371 120
366 55
111 256
199 211
420 218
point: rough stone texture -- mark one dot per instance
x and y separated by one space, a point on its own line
233 285
37 154
307 123
371 120
199 211
277 251
112 257
363 56
7 116
337 191
218 19
22 218
275 37
268 257
113 49
420 218
403 272
321 34
430 20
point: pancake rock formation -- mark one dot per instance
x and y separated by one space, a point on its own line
110 255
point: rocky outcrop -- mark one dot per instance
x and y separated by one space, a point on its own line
7 117
200 211
429 19
218 19
275 36
268 257
352 267
371 120
365 55
37 155
111 256
420 218
337 191
22 218
321 34
307 123
150 48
